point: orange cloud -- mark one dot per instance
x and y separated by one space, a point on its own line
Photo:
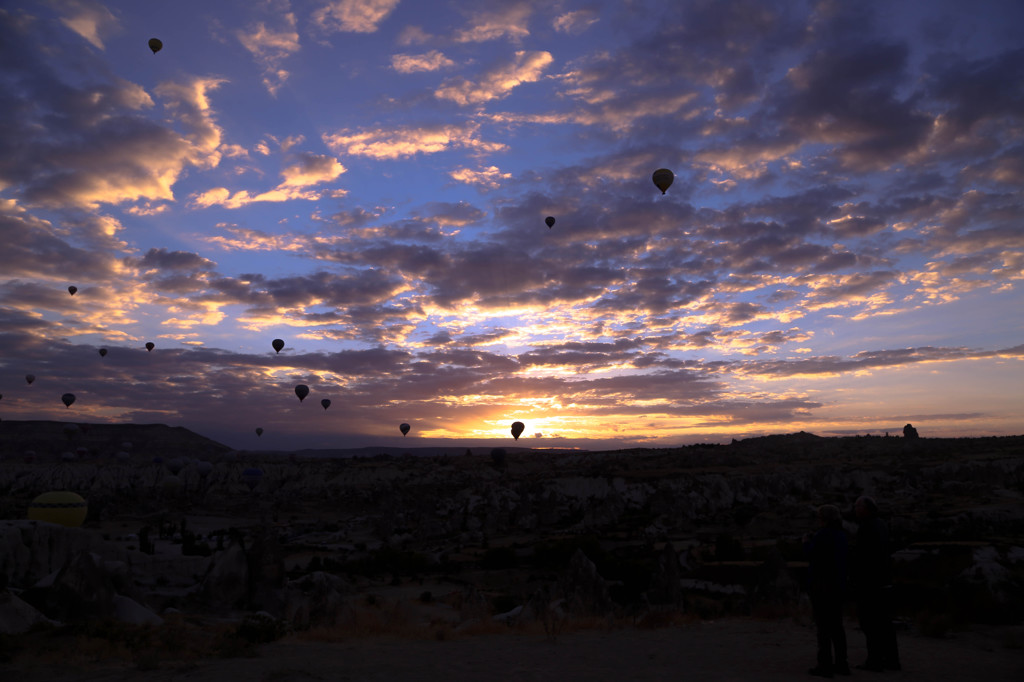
525 67
353 16
397 143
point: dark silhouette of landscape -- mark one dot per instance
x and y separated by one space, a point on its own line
211 552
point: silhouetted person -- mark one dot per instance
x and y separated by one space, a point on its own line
909 432
827 552
872 584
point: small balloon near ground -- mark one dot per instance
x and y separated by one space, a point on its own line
62 507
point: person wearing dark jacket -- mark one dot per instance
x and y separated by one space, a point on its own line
827 558
871 578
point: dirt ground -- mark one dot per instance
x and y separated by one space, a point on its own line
728 649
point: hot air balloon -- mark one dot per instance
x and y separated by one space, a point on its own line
176 465
278 344
67 399
252 477
517 429
663 178
171 485
155 44
60 506
30 378
326 403
302 390
404 428
72 289
103 352
150 345
550 222
259 430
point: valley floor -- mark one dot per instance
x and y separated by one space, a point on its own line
730 649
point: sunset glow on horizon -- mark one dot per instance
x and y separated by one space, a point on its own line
841 251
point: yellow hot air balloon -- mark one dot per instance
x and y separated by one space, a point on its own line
61 506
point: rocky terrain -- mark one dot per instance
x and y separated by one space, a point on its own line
282 544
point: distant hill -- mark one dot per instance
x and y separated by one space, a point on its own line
51 438
375 450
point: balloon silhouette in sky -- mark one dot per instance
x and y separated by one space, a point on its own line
259 430
663 178
29 378
278 344
72 289
155 44
150 345
67 399
550 222
404 428
302 390
326 403
103 352
517 429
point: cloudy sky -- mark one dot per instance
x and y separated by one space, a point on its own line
842 250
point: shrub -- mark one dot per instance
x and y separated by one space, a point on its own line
503 603
498 558
555 555
932 624
260 628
